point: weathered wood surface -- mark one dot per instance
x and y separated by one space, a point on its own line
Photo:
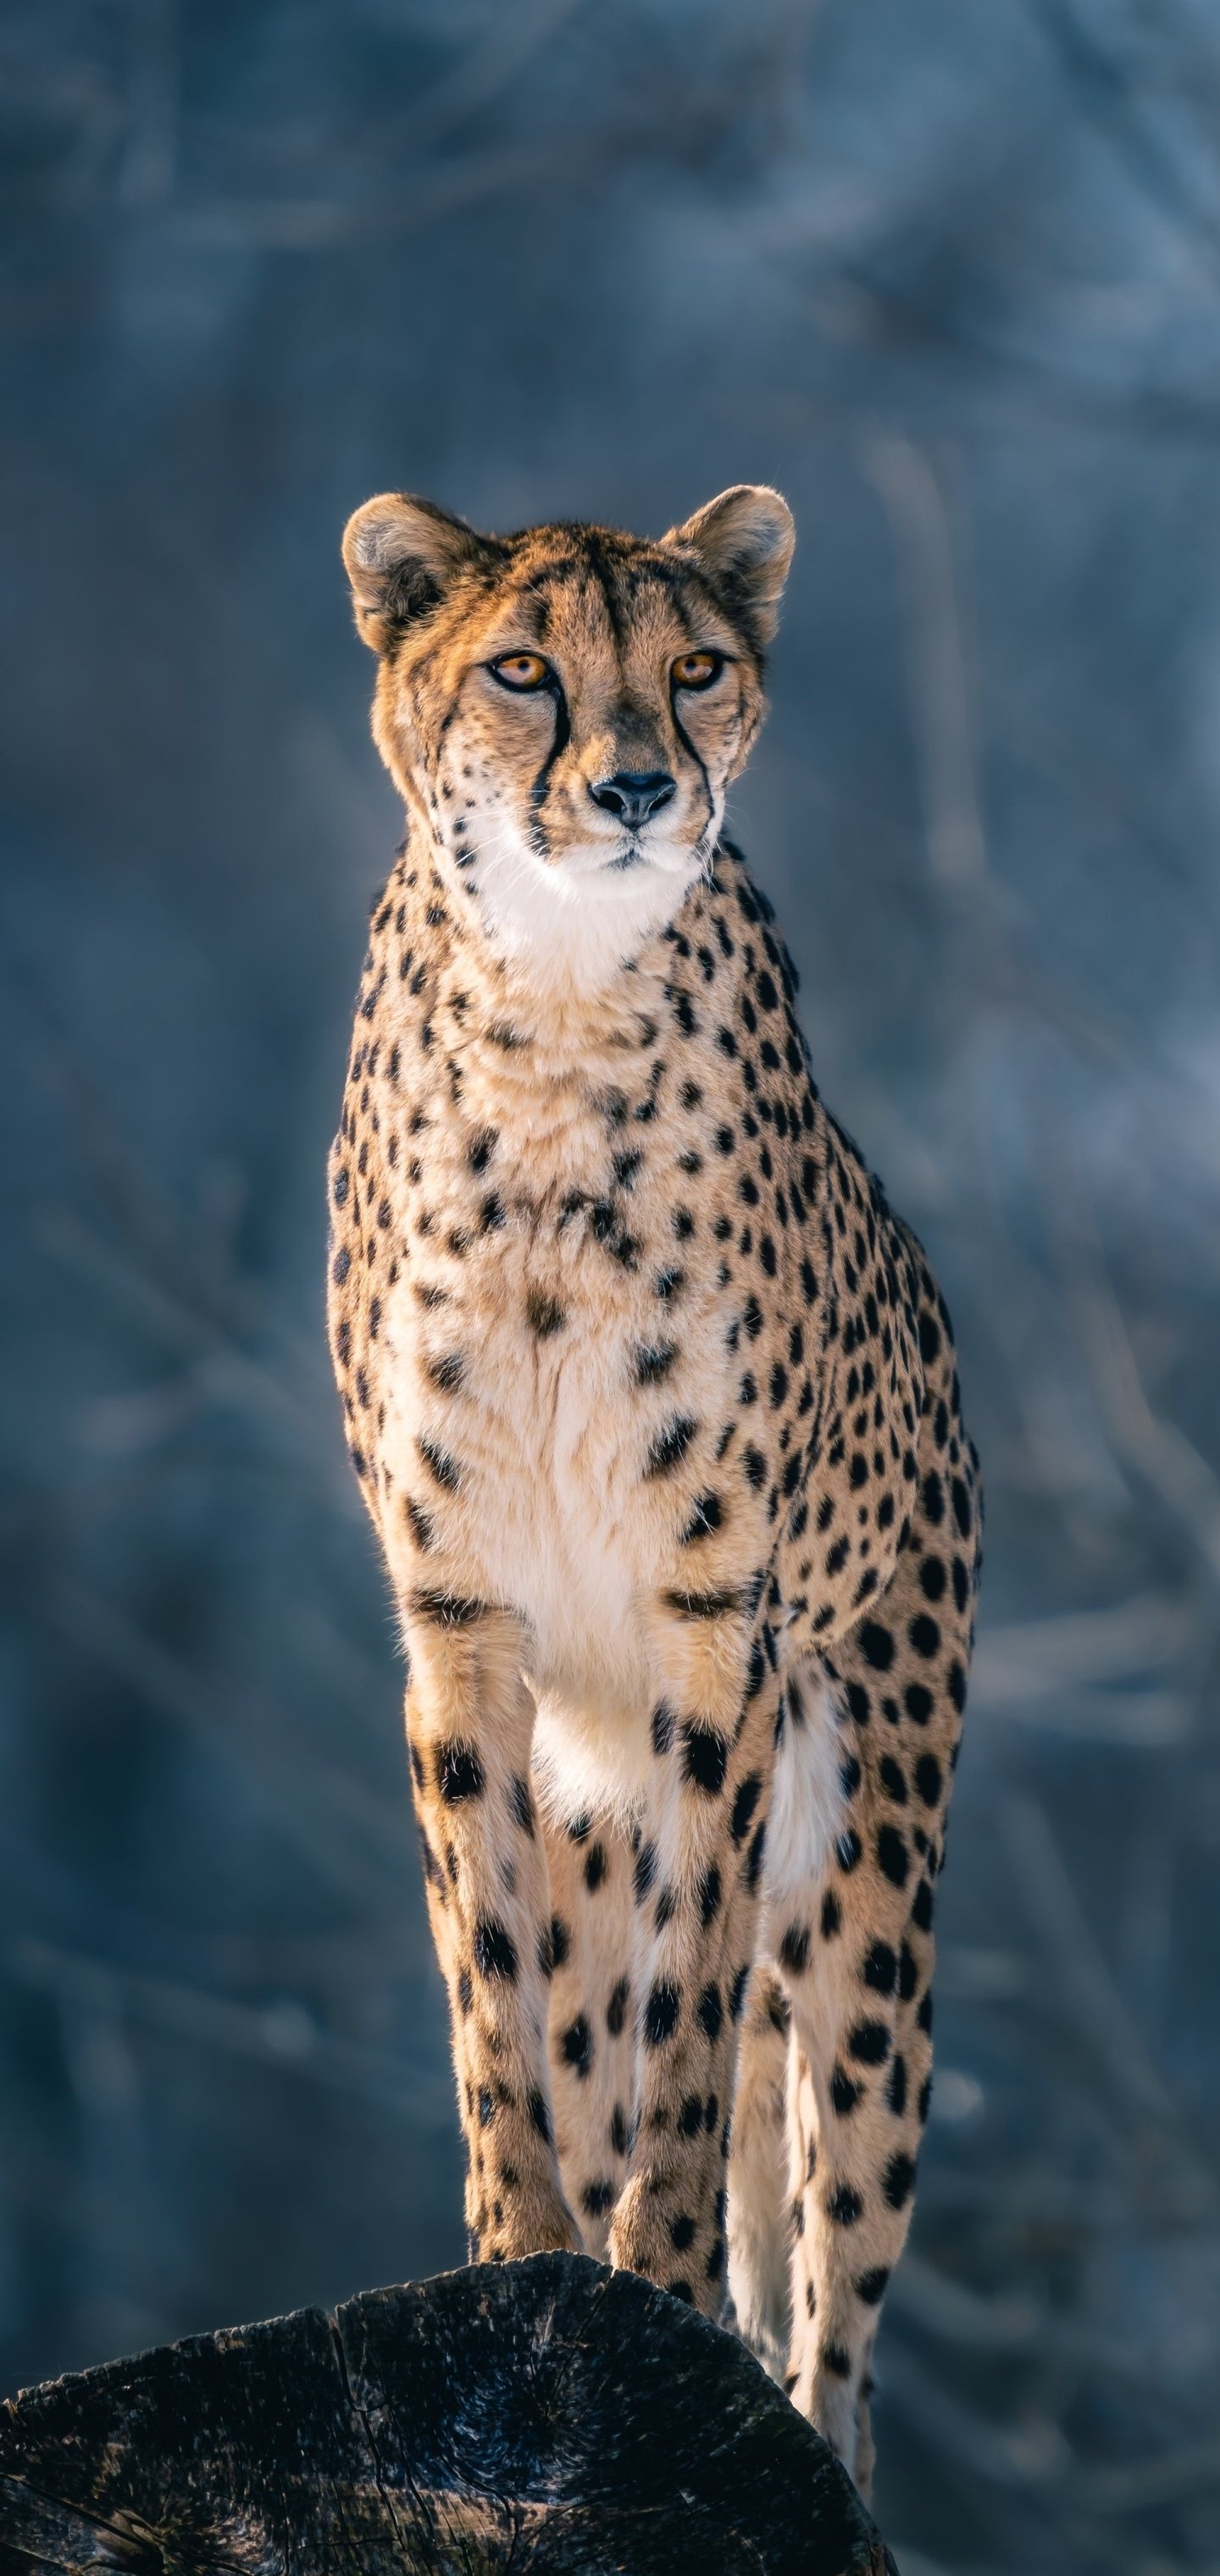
547 2415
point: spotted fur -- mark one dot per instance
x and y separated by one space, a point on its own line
654 1407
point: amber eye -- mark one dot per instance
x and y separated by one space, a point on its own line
520 670
697 670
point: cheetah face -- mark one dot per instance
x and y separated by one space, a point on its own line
564 709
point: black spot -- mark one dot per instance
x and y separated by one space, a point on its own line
847 1851
898 2181
844 2091
876 1645
538 2113
752 1870
755 1466
661 2014
737 1991
543 1315
922 1909
704 1605
880 1968
645 1871
704 1758
670 1447
893 1779
706 1517
595 1867
925 1636
439 1464
896 2089
961 1506
844 2205
893 1858
616 2008
924 2015
690 2117
929 1337
711 2011
832 1915
871 2286
481 1149
618 2132
597 2198
494 1955
908 1973
925 2101
837 2360
928 1779
931 1578
917 1701
744 1804
521 1803
869 2043
662 1727
681 2233
709 1895
487 2109
653 1364
794 1949
681 2290
576 2046
459 1773
447 1609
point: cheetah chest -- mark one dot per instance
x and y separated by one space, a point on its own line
526 1412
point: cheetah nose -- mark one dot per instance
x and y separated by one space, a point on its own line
635 795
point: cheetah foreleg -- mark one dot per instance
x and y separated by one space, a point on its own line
469 1724
759 2198
859 2071
697 1879
592 2034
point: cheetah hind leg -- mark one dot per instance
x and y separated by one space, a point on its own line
758 2216
591 2030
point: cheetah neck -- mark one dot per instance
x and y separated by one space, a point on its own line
563 933
578 999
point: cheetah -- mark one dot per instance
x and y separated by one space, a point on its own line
653 1404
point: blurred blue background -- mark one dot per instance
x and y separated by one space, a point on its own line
949 274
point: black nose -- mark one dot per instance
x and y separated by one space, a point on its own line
634 794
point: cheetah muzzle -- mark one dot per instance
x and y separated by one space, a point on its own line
653 1404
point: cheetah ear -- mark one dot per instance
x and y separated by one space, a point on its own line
743 545
402 554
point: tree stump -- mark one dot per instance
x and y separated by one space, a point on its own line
545 2415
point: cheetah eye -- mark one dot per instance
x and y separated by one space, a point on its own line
697 670
520 670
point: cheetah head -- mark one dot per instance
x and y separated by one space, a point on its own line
564 708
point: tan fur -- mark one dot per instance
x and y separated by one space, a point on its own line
653 1404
